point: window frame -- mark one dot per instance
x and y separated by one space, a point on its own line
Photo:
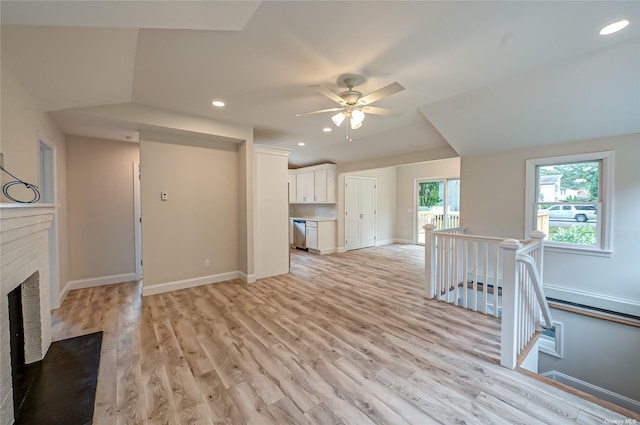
604 227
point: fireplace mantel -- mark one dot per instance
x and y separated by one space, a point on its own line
24 250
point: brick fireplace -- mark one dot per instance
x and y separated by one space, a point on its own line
24 260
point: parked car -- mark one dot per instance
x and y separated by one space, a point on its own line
580 213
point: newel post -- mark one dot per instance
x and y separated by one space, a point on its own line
539 236
429 261
509 332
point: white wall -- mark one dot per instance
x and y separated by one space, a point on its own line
406 196
201 218
101 213
23 121
493 204
597 351
272 224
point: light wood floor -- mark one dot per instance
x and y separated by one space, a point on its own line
342 339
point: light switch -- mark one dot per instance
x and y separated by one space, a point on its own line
163 196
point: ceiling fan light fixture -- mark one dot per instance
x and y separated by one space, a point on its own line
356 125
357 116
338 119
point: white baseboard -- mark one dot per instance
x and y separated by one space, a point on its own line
342 249
606 302
385 242
64 292
403 241
189 283
251 278
97 281
602 393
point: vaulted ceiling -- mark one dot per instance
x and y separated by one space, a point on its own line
479 76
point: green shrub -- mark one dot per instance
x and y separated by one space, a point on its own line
578 234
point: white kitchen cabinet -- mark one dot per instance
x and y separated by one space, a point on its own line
312 234
323 236
305 187
293 185
320 185
313 185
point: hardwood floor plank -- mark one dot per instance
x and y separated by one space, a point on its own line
342 339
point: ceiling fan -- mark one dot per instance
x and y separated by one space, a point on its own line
354 105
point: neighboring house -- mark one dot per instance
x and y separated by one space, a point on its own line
550 190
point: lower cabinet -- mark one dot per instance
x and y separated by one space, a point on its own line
322 236
312 234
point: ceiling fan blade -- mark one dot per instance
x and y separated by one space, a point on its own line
328 93
320 111
380 93
381 111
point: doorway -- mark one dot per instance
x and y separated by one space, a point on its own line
137 219
437 202
360 212
47 187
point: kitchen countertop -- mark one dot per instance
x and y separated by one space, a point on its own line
313 218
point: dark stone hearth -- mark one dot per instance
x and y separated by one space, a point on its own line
64 383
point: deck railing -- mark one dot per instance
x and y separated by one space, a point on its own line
438 220
496 276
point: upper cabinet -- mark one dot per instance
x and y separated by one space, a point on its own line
313 185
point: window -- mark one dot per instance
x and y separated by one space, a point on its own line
552 340
569 199
438 203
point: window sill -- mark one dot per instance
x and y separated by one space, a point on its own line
593 252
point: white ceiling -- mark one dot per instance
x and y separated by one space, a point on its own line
479 76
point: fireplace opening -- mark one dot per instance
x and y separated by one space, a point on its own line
22 374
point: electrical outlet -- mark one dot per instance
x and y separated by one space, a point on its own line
164 196
207 263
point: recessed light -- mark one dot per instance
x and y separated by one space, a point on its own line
614 27
301 144
218 103
327 129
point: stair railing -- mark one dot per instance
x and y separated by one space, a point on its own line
523 298
496 276
463 269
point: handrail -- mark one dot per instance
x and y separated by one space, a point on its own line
537 286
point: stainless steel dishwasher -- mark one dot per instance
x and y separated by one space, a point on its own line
300 233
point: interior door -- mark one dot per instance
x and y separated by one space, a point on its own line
360 212
367 212
352 222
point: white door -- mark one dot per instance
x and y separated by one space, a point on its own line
368 212
360 212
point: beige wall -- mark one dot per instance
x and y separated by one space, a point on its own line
23 122
101 207
406 192
201 218
493 203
